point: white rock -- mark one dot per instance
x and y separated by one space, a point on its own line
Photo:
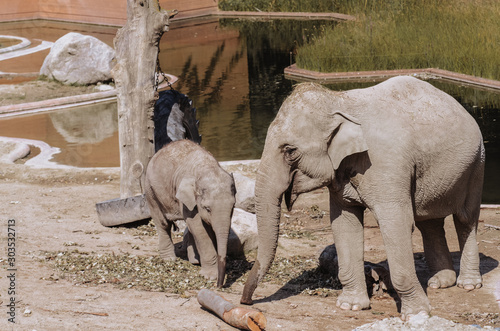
243 234
14 152
419 322
104 87
245 192
79 59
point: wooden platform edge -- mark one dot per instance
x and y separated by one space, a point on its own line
294 73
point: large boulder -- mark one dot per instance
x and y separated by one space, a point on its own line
242 237
245 192
243 234
79 59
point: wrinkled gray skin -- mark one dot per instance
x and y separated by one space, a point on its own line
184 181
403 149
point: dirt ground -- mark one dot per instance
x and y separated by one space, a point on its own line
54 211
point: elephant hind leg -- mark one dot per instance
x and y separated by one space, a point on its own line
466 226
437 254
466 221
163 228
166 245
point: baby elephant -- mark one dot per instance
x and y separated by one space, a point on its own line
184 181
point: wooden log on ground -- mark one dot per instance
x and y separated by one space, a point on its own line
239 317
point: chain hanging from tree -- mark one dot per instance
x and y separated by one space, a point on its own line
159 72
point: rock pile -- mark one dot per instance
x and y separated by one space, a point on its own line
419 322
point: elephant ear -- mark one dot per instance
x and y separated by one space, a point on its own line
347 139
186 193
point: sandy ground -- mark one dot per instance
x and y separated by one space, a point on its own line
54 210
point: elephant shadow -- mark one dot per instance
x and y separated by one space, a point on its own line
236 267
321 282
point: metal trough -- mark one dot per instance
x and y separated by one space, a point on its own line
121 211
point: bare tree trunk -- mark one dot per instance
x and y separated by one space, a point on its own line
136 46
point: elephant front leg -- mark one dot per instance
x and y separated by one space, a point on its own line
396 226
347 226
204 246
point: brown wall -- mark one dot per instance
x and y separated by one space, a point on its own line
109 12
18 9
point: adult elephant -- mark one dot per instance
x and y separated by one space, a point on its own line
403 149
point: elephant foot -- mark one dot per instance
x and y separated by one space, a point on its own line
415 307
348 300
168 256
442 279
209 272
192 255
469 282
193 260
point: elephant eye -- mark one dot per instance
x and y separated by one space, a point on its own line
207 209
291 153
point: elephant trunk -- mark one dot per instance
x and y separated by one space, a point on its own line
269 188
221 268
222 234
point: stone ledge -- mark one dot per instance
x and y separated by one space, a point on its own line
287 15
23 44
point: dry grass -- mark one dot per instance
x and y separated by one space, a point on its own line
298 274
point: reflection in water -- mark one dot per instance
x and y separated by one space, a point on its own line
85 129
87 124
87 138
233 72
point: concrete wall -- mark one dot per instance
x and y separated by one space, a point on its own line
109 12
